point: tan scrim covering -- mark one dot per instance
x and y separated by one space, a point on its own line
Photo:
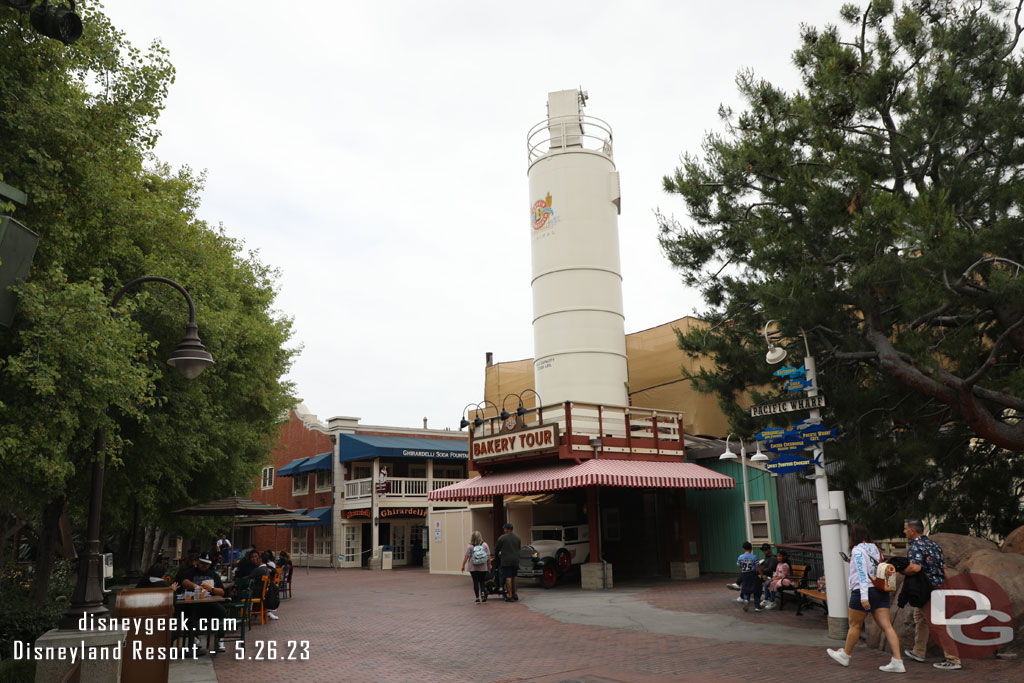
655 379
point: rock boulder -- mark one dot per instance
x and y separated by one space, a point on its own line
1014 543
957 548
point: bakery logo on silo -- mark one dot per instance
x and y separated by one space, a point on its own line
542 213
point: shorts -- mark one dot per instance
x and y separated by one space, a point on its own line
876 599
509 572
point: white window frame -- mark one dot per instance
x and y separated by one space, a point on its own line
267 478
757 540
296 481
298 542
326 486
323 537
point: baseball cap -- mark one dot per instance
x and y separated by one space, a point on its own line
507 525
205 557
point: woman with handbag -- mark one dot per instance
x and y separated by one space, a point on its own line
866 599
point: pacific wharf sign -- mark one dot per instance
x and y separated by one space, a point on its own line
512 444
788 406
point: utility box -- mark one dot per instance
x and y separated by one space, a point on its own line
386 555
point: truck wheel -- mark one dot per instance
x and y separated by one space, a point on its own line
550 575
563 560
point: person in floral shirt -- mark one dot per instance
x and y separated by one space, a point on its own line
925 555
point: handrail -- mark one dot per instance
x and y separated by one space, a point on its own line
540 141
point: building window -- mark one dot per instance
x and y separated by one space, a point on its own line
300 485
760 524
324 479
322 540
448 473
299 542
267 480
361 471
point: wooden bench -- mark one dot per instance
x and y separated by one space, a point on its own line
798 575
811 597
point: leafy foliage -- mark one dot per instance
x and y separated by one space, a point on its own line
78 126
878 208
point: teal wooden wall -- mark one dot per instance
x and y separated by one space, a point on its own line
721 518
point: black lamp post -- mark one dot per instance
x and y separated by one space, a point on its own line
191 358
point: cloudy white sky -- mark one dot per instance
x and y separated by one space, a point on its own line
375 153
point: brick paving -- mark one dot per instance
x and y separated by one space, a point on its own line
408 625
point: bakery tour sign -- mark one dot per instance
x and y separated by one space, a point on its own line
511 444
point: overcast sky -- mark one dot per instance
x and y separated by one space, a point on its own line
375 154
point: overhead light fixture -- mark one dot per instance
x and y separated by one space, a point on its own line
191 357
57 22
776 354
727 455
758 456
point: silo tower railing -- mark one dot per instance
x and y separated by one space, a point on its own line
569 134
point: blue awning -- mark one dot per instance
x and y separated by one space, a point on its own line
292 468
323 516
366 446
315 463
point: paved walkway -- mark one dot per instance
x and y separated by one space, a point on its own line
408 625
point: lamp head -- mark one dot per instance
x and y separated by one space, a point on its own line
758 456
776 354
504 415
463 423
727 455
191 357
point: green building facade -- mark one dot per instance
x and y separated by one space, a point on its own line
720 515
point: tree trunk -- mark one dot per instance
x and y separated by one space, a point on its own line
48 534
158 543
147 547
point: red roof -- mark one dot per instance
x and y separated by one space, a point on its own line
632 473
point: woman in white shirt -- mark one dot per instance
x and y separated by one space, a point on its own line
866 599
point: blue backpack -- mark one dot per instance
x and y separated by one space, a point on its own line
479 555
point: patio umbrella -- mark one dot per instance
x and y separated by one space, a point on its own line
233 506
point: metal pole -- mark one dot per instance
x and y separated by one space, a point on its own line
746 496
829 522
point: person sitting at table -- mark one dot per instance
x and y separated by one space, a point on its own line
267 568
186 564
154 578
247 565
202 576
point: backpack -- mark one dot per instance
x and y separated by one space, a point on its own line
273 598
884 578
479 555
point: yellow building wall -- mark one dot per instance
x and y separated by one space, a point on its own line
655 379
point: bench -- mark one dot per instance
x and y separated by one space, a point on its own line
811 597
798 575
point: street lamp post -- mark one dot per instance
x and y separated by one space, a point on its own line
191 358
759 457
829 520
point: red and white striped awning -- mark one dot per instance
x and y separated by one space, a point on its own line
632 473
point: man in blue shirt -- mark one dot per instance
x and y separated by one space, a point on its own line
925 556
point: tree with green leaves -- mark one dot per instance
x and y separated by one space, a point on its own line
879 209
77 131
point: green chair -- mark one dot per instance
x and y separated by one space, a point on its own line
238 609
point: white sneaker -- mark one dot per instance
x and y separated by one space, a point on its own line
746 605
221 647
840 656
271 615
733 586
910 655
739 599
771 605
894 666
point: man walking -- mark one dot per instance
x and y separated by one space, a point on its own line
925 556
507 551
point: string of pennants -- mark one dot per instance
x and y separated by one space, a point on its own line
790 443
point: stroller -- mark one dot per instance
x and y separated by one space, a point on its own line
493 584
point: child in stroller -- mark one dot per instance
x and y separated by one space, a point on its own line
493 582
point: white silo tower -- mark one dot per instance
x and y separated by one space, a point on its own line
579 339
